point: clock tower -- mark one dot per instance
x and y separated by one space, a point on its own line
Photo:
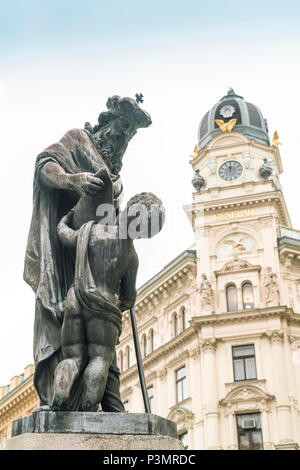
248 269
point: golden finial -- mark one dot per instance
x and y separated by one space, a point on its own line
226 126
196 152
276 139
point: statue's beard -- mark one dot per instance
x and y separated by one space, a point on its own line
111 149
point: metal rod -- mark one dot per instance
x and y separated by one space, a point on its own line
139 360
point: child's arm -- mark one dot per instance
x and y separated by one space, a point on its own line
127 293
66 234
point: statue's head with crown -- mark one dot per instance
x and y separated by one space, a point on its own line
116 127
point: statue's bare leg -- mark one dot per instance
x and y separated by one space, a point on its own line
73 349
101 337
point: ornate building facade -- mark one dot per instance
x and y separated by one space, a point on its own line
219 326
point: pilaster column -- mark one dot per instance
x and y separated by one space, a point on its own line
162 404
209 378
264 414
281 386
231 430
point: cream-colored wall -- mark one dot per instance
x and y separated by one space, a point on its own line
205 348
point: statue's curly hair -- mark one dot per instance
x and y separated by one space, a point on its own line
145 199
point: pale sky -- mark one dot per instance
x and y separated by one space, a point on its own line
60 60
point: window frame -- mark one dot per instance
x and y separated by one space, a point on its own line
175 324
121 356
244 364
183 318
244 303
227 299
152 339
128 356
182 383
249 431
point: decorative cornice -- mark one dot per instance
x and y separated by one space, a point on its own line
246 393
249 201
18 402
166 287
261 383
245 315
237 265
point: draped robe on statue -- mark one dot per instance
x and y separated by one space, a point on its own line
49 266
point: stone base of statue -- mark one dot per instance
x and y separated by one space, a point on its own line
60 430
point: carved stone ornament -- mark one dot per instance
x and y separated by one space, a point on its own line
163 373
206 294
182 417
271 288
208 344
275 336
237 264
227 111
241 396
198 181
265 170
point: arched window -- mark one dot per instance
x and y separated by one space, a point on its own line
175 324
145 345
183 319
231 297
152 340
128 356
248 299
121 361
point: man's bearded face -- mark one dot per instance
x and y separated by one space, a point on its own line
112 141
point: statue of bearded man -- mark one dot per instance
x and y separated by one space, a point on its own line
63 172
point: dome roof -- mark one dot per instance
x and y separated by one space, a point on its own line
250 121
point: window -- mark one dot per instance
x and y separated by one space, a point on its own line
181 384
128 356
183 319
126 405
248 299
184 439
21 378
249 431
145 345
121 361
7 389
152 340
231 297
150 393
244 362
175 324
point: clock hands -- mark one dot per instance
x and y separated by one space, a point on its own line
230 170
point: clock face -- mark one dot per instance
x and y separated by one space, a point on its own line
231 170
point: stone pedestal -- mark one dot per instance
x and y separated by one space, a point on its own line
60 430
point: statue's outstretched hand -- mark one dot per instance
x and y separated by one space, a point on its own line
85 183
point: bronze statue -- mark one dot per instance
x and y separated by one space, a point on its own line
65 173
105 276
